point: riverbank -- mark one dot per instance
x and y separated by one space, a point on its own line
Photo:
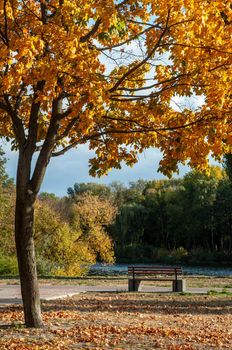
194 281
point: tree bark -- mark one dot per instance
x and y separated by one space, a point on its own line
27 188
24 220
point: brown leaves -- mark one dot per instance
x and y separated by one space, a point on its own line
126 321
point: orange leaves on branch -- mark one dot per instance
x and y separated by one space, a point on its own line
118 70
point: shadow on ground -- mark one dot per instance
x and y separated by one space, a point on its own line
108 303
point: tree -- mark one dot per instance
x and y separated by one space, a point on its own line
198 196
56 93
91 187
7 197
228 165
68 247
223 216
92 215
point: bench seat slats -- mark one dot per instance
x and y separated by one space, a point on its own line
154 268
154 272
153 279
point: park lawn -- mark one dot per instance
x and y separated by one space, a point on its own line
208 282
124 321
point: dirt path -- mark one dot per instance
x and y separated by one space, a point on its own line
10 294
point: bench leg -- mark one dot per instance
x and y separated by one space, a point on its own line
133 285
179 286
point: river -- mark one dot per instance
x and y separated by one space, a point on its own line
121 269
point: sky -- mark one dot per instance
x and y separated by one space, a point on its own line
64 171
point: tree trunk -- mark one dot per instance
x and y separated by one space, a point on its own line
24 220
27 188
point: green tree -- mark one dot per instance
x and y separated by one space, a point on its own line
92 215
91 187
7 204
67 247
130 224
223 216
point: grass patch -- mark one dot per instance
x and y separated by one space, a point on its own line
185 293
223 292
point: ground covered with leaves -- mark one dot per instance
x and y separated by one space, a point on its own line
117 321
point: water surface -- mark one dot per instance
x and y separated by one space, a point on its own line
121 269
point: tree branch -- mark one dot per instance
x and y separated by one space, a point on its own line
122 4
150 54
48 145
68 128
145 130
34 113
208 48
6 24
156 84
17 123
94 29
128 40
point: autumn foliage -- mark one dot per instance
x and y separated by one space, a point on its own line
115 68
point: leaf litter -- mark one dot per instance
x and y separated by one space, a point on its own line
103 321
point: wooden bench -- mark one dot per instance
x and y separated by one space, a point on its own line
136 274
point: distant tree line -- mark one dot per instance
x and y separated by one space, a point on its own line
186 220
177 220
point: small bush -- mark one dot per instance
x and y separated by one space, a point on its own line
135 252
44 266
8 265
161 255
179 254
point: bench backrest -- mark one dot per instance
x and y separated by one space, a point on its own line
154 270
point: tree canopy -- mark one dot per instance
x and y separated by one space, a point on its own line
104 71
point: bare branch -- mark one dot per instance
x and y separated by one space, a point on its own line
94 29
17 123
128 40
34 113
68 128
30 10
208 48
150 54
6 24
122 3
3 106
156 84
65 149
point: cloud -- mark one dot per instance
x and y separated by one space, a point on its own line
64 171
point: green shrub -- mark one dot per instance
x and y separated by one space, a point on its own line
160 254
135 253
44 266
8 265
179 254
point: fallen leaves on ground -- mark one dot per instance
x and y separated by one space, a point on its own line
121 321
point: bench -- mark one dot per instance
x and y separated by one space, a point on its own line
136 274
